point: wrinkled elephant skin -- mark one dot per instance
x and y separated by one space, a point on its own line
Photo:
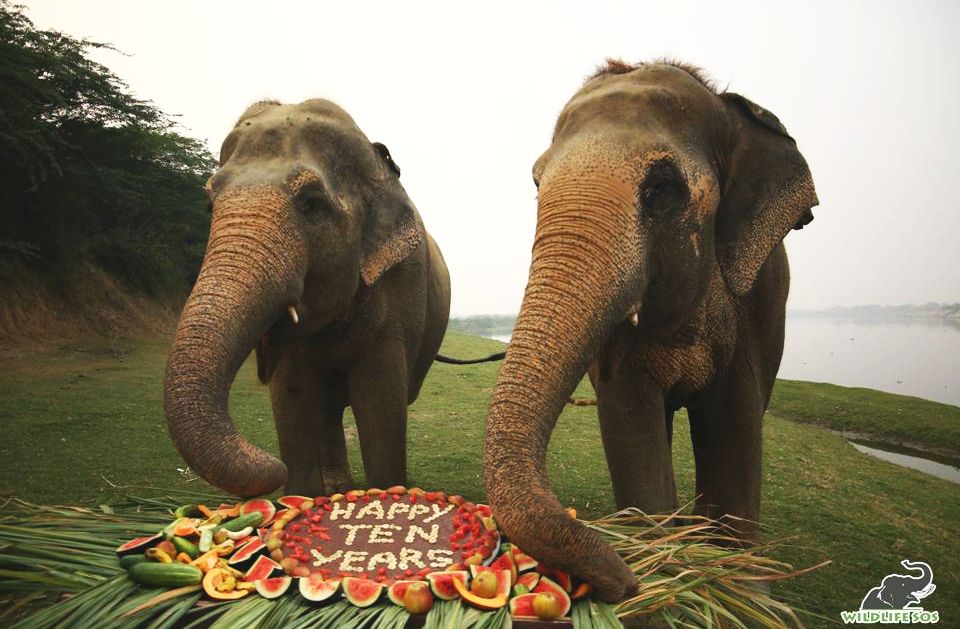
319 261
658 268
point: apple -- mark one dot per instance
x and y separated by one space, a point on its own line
546 606
418 599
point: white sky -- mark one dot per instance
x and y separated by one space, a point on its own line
466 96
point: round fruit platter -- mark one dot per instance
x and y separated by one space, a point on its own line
396 546
395 558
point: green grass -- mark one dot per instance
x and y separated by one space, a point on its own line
83 419
883 417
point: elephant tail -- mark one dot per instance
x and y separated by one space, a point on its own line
469 361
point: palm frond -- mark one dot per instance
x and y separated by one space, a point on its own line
689 575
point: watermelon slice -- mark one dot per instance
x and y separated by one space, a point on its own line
558 576
441 583
139 544
528 581
262 506
524 561
396 591
361 592
244 556
503 562
273 588
293 502
318 590
262 568
522 606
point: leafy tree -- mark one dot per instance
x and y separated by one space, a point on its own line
88 172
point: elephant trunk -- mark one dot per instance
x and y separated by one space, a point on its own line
253 269
575 294
926 574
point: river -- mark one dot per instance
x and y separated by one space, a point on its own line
918 357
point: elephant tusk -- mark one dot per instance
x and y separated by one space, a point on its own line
293 314
635 319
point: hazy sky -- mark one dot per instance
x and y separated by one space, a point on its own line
465 96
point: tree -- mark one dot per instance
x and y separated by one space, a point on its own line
89 172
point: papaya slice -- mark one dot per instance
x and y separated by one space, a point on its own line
220 585
496 602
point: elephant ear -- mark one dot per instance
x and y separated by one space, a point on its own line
393 230
767 192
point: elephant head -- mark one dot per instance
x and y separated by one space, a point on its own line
899 591
654 189
306 212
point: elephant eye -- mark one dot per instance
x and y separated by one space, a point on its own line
663 189
384 153
313 205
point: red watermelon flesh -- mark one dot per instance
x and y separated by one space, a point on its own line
362 592
139 544
524 561
441 583
273 588
522 606
262 506
559 576
293 502
318 590
529 580
396 591
505 562
244 556
262 568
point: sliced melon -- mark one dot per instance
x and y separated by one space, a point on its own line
139 544
262 568
244 556
362 592
560 577
265 507
442 583
528 581
524 561
273 588
318 590
293 502
396 591
522 606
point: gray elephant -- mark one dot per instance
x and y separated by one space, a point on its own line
658 268
901 591
318 260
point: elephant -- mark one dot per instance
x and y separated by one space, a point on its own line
319 262
658 268
899 591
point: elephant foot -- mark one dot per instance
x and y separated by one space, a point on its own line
337 482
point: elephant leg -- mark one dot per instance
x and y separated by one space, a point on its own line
309 416
378 395
725 427
636 440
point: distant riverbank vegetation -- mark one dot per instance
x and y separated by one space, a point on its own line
929 310
502 324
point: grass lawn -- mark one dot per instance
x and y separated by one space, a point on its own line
883 417
84 424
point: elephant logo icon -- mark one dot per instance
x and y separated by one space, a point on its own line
901 591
